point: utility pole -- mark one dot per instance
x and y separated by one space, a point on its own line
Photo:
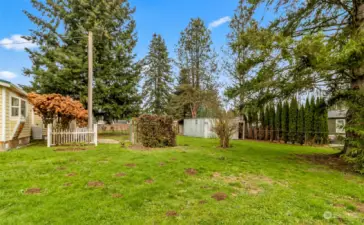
90 79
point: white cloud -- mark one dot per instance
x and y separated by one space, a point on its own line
219 22
7 75
16 42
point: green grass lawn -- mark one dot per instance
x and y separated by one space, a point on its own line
264 184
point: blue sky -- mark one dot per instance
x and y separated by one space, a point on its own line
165 17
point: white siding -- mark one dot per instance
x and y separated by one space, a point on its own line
198 128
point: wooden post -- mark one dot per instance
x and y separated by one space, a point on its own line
95 134
244 130
49 135
90 79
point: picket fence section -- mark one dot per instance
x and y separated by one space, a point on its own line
71 136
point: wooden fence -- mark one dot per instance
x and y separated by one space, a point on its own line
71 136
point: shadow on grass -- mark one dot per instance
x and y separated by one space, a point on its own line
332 161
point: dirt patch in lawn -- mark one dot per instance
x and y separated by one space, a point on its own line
249 182
191 171
130 165
254 190
95 184
117 195
71 174
360 207
67 184
61 168
149 181
162 164
32 191
219 196
120 175
332 161
249 178
171 213
202 202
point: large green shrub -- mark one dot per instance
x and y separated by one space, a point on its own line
156 131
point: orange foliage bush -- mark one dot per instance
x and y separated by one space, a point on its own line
58 108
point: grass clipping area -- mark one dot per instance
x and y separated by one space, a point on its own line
193 183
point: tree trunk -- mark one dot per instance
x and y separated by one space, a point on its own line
357 83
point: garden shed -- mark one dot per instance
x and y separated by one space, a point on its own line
202 127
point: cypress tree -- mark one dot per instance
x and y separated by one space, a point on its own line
285 121
262 123
273 123
293 113
278 120
313 120
325 125
266 123
308 120
301 125
318 121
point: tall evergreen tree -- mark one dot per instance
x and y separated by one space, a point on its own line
285 121
308 120
196 57
313 127
272 123
60 62
301 125
325 126
234 55
318 121
293 116
158 77
278 121
310 44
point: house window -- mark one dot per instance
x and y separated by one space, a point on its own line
340 126
14 107
23 108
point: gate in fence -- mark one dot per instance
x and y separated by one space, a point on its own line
71 136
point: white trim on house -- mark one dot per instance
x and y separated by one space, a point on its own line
3 128
340 126
19 117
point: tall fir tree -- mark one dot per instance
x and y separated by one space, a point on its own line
285 121
60 63
158 77
293 115
197 58
234 55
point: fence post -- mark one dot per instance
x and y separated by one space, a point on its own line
95 134
244 130
49 135
132 131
